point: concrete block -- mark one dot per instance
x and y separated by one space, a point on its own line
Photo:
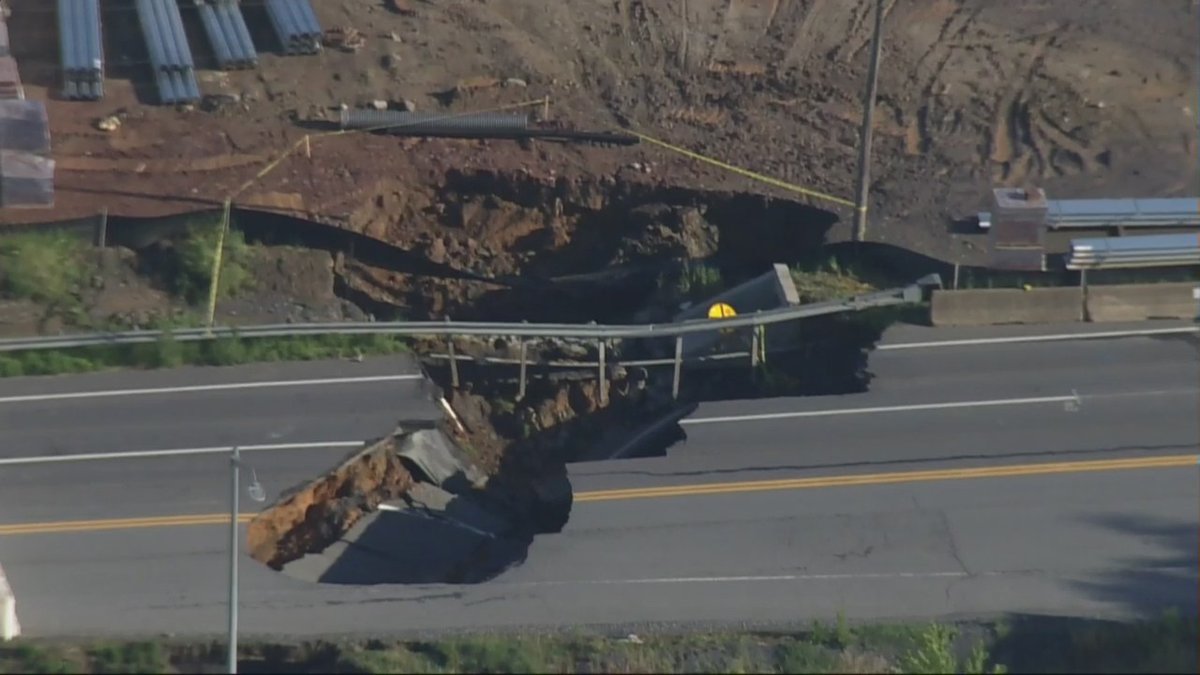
787 285
1140 302
9 626
993 306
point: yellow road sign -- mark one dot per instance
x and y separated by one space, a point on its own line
721 310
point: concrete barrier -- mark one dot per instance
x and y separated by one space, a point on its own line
9 626
986 307
1140 302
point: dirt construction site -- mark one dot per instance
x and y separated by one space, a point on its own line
1086 98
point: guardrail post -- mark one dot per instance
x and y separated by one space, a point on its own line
102 229
521 385
603 389
678 366
453 362
753 347
956 276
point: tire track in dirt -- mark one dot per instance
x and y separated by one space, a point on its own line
821 17
862 28
1014 150
743 26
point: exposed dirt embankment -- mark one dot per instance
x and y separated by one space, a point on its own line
521 447
568 244
317 514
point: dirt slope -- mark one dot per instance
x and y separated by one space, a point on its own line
1089 97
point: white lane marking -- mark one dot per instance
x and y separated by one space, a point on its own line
140 454
733 579
207 387
1074 398
1059 337
882 409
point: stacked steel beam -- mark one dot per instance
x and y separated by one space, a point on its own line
1155 250
170 55
79 40
228 33
296 24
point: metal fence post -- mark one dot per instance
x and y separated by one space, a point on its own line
603 389
521 386
453 362
102 229
753 347
678 366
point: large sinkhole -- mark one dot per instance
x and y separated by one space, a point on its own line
564 251
461 502
485 246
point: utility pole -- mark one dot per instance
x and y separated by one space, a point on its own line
234 462
258 494
864 157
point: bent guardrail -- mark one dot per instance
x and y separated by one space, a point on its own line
911 293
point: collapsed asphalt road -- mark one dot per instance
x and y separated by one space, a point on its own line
696 535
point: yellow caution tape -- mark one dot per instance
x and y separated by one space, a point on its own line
743 172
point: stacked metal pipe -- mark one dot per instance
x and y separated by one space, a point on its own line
1093 213
435 124
81 47
1155 250
296 24
170 55
227 31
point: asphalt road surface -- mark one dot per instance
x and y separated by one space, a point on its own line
1041 477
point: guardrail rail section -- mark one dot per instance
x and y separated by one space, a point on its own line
1156 250
913 293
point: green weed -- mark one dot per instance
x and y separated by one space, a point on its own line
44 267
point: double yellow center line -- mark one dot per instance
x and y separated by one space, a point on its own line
1010 471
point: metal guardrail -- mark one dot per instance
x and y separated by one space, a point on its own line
912 293
1085 214
1161 250
1093 213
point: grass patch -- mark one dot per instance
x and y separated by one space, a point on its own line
1040 645
698 280
45 267
168 352
194 254
828 281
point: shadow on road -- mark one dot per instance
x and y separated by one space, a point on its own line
1152 584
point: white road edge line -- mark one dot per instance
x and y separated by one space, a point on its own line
207 387
732 579
1058 337
883 409
140 454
